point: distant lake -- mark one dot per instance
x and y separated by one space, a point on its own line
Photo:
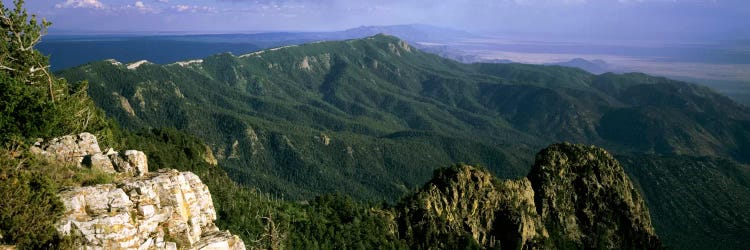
66 53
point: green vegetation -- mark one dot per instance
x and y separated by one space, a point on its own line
30 206
338 222
327 222
695 202
28 188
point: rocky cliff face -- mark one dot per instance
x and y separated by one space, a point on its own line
574 197
167 209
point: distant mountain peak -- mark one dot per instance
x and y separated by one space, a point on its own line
412 32
383 36
596 66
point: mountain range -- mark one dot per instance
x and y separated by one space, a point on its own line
69 50
373 117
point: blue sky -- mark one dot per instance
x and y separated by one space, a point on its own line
639 19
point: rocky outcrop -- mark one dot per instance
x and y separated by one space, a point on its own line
132 162
163 210
167 209
69 148
586 200
574 197
83 150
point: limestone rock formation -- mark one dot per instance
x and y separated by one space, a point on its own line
574 197
167 209
159 210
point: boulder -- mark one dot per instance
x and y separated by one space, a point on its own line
83 150
69 148
132 162
220 240
101 162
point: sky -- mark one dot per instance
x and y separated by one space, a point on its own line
637 19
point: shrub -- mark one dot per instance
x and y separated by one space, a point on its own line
29 206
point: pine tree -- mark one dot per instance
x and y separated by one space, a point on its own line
33 102
18 58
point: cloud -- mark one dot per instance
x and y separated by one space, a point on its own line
194 8
181 7
140 7
91 4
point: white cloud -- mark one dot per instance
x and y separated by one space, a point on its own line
140 7
92 4
193 8
181 7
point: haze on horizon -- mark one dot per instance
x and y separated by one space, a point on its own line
691 20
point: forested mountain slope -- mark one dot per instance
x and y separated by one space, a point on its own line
695 202
350 115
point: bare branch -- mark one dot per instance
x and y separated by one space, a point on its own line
20 164
49 82
7 68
